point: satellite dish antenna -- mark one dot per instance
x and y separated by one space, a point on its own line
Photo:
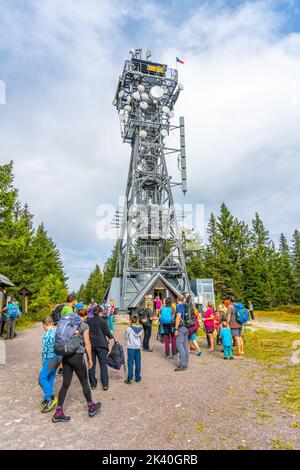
157 92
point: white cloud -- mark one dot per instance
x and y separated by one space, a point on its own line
241 102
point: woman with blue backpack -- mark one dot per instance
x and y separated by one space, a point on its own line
167 322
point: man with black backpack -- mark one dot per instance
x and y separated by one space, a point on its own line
183 321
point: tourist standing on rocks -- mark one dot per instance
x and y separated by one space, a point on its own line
181 333
99 332
236 328
75 363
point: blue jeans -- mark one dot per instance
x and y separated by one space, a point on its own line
227 351
182 343
134 357
47 376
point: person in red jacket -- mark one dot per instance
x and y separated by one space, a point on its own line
217 321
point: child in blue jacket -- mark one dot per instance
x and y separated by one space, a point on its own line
50 365
226 340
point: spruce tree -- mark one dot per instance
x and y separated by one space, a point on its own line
296 266
283 273
258 275
94 286
81 294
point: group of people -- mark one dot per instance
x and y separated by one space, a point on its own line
90 330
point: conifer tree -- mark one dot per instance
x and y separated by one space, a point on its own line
296 266
94 286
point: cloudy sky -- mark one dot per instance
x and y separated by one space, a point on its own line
60 62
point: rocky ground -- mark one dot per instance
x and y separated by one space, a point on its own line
215 404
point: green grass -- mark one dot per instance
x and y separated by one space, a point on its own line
277 444
25 323
274 348
279 316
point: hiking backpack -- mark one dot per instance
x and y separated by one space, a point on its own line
241 313
166 317
56 313
195 327
189 316
66 342
116 357
15 311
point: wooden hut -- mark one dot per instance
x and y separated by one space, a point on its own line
4 283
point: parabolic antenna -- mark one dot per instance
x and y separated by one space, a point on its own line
143 134
127 108
157 92
141 88
144 96
164 132
166 109
143 105
121 93
136 95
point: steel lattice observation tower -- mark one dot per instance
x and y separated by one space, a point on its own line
150 259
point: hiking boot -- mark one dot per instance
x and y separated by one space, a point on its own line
43 404
199 353
50 405
128 382
106 388
225 358
59 416
94 388
93 409
231 358
179 369
138 381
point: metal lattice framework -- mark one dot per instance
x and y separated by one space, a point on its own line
150 240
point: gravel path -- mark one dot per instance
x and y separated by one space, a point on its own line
275 326
215 404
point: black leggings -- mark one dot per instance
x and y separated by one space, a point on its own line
74 363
